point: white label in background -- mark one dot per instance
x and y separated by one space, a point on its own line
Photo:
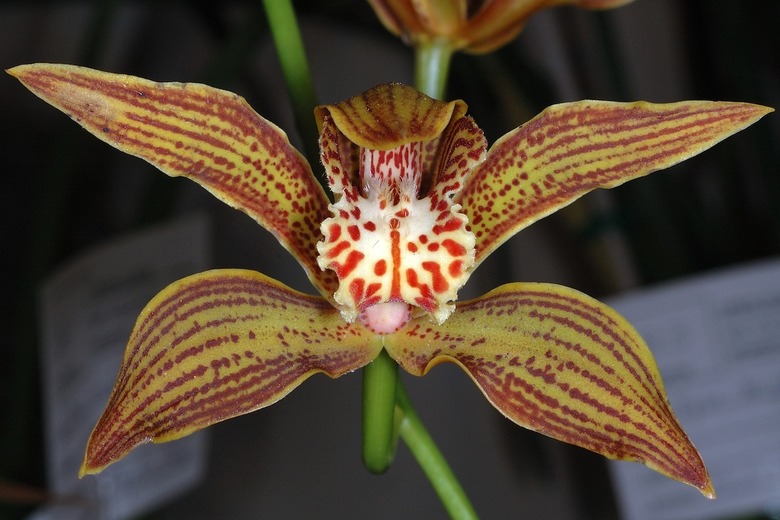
716 339
87 310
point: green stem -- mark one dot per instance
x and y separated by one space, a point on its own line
297 75
432 67
432 461
380 378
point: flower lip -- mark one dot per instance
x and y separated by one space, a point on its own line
395 158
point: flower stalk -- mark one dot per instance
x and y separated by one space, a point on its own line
432 66
380 379
432 462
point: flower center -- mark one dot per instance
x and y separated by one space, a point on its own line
387 246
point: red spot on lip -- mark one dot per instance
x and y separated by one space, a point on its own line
354 232
353 259
334 231
411 278
395 250
372 289
455 268
340 248
453 247
452 224
380 267
356 289
440 283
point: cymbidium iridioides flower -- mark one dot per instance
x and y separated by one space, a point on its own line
419 203
479 26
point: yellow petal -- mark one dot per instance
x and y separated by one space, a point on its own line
558 362
573 148
208 135
216 345
390 115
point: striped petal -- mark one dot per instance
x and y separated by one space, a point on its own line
558 362
216 345
208 135
390 115
573 148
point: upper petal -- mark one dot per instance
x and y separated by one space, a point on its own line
573 148
561 363
216 345
390 115
208 135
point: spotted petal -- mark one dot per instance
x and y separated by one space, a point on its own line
216 345
558 362
208 135
573 148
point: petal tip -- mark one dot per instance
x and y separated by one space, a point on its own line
708 490
86 469
14 71
704 482
91 465
700 480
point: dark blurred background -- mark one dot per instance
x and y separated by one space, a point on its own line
65 191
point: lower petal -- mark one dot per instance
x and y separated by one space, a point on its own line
556 361
216 345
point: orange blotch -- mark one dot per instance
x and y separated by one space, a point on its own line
353 259
440 283
453 247
455 268
354 232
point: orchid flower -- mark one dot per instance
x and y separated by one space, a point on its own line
420 202
477 27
